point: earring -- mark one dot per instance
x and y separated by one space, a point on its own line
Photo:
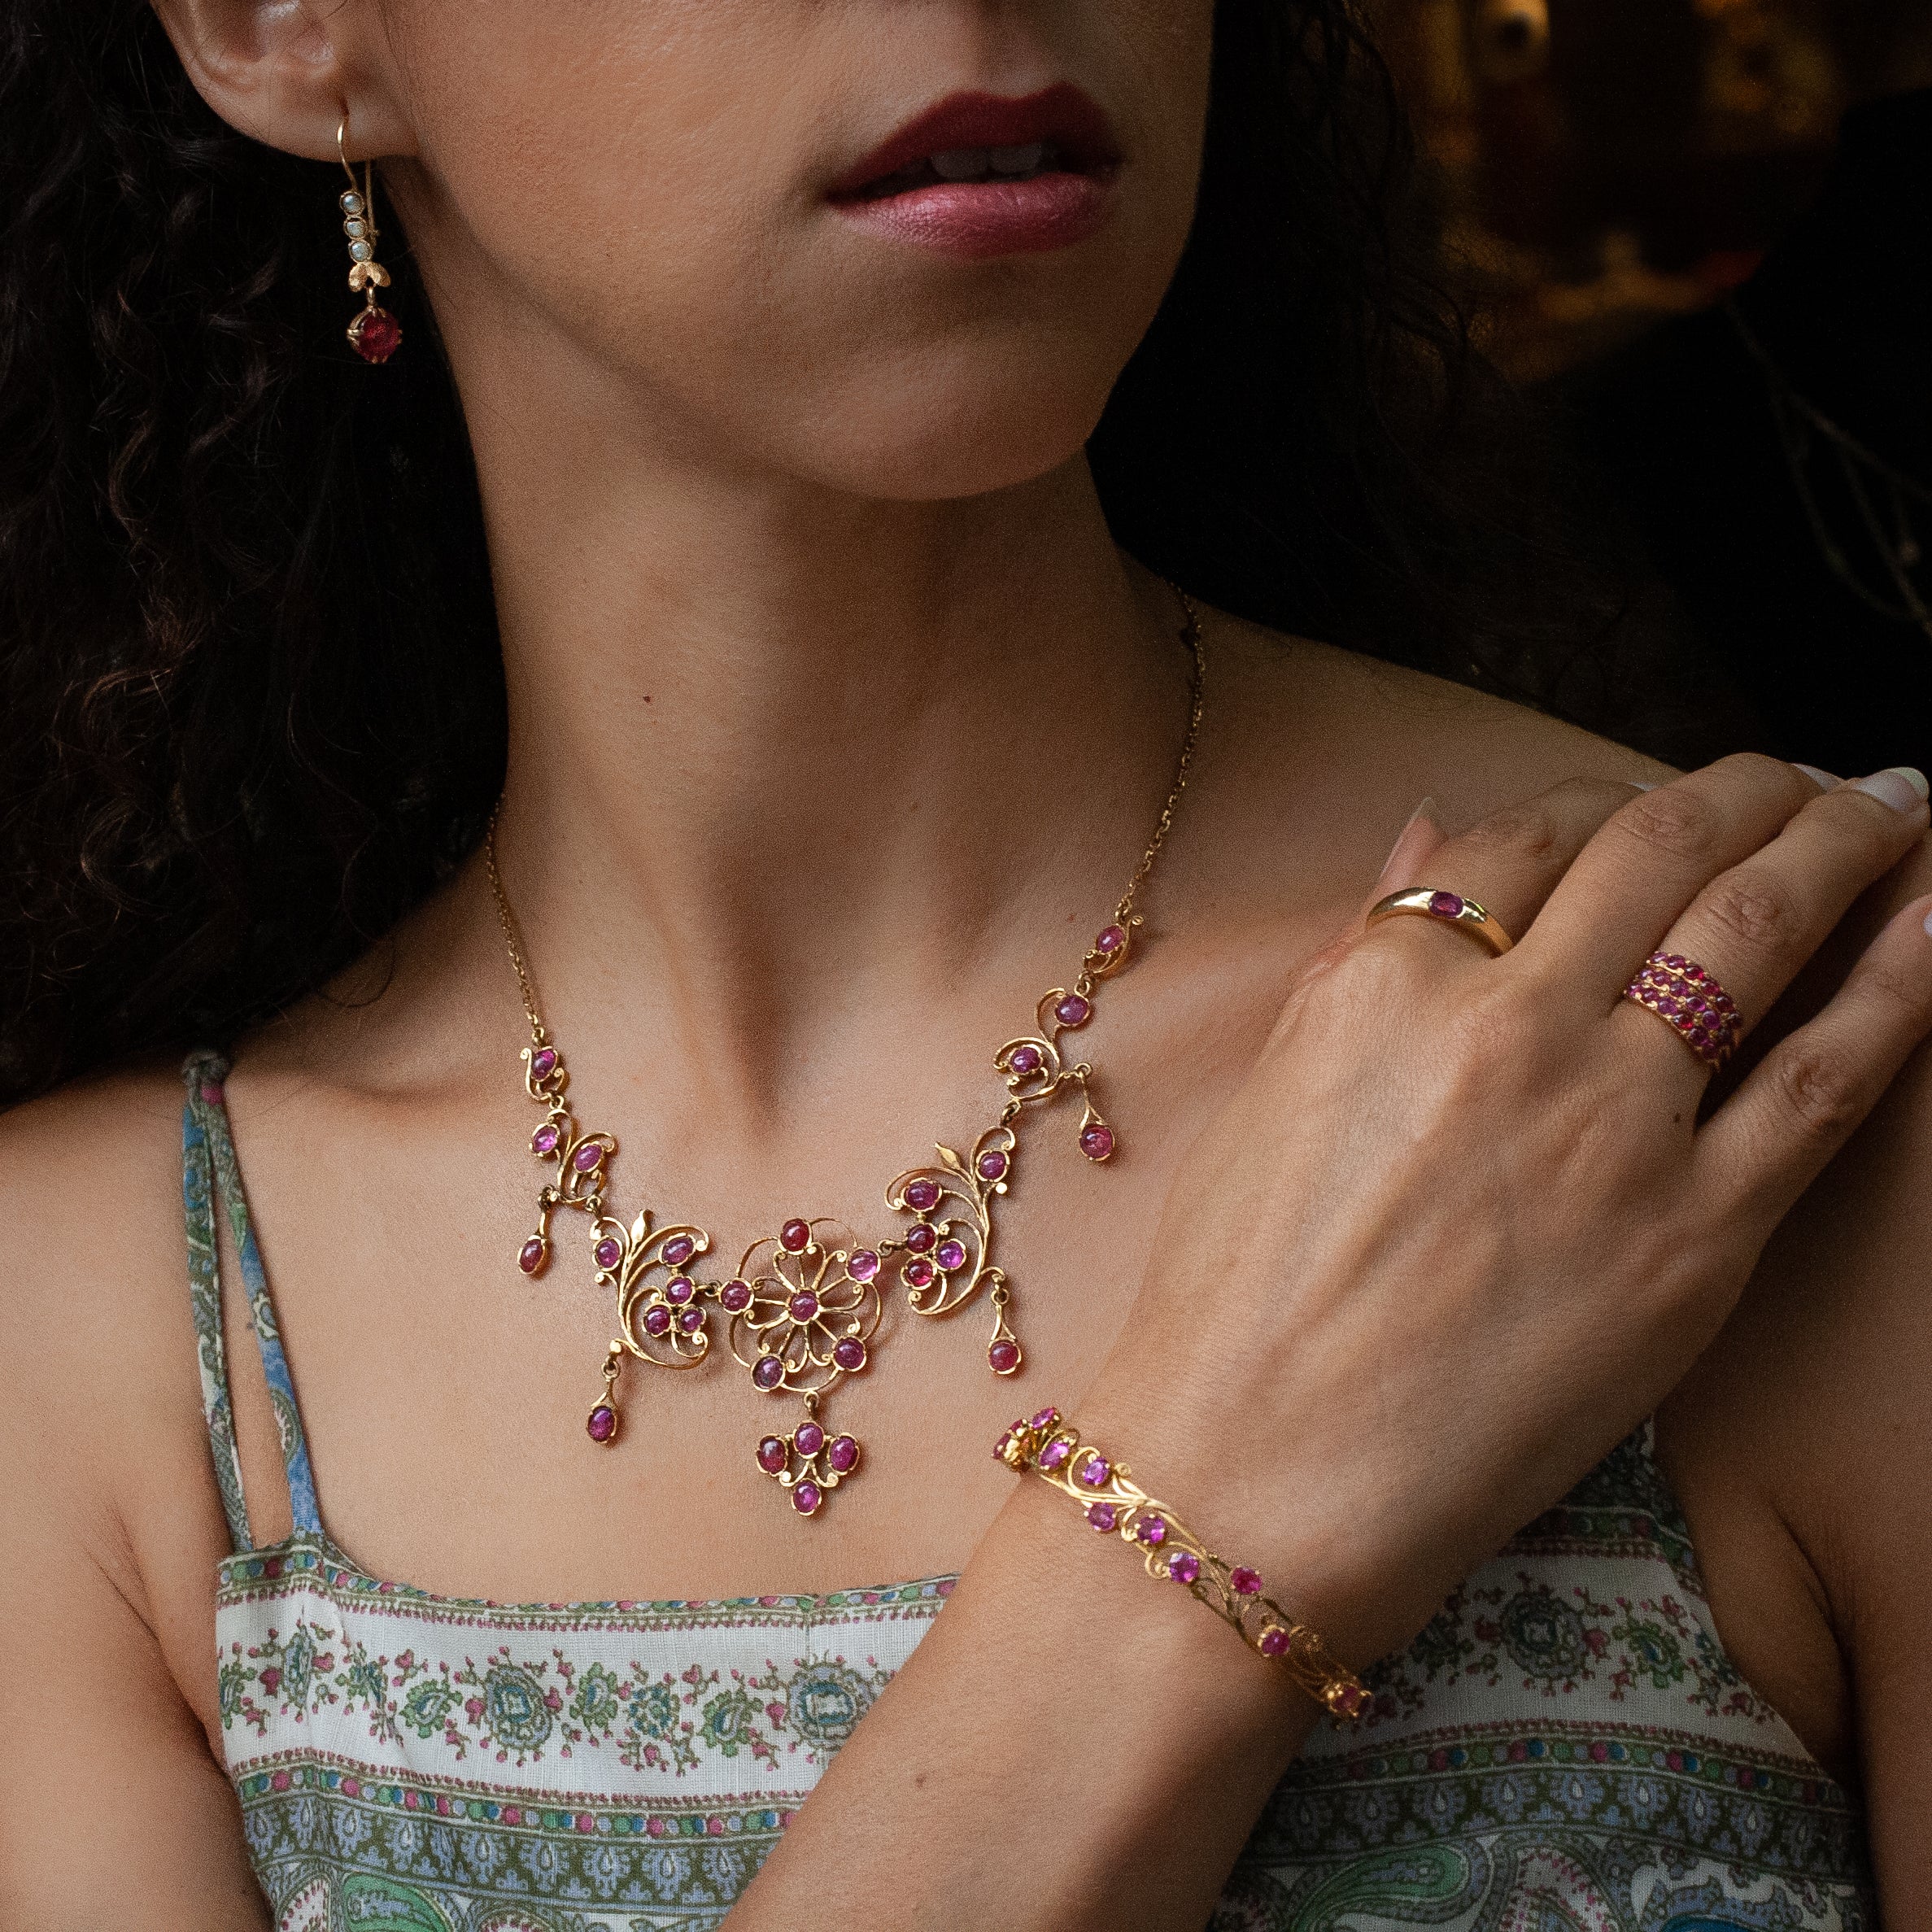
375 334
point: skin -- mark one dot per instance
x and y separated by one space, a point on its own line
837 724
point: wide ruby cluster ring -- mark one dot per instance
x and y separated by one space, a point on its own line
1050 1446
1687 997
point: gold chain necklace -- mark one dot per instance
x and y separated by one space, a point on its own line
801 1308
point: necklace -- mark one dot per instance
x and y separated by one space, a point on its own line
1864 473
800 1311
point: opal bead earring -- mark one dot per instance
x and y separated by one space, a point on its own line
374 334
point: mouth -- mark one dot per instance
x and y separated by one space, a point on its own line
983 175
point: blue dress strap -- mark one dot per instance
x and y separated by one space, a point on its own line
211 1181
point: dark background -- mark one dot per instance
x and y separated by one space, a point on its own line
1703 229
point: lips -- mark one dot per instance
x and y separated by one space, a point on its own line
982 175
1062 118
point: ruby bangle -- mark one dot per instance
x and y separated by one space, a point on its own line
1050 1446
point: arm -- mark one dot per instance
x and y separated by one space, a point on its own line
113 1810
1808 1426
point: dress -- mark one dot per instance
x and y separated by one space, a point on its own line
1565 1745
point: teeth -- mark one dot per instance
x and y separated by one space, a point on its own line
1018 160
961 163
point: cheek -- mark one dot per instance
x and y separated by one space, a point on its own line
643 180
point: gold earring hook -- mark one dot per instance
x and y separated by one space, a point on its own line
366 187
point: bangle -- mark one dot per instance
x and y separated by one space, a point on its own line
1050 1446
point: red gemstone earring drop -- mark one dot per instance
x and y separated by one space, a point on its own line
375 334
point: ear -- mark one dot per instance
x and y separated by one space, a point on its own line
287 71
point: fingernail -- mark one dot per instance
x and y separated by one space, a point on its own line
1639 785
1422 811
1824 780
1901 788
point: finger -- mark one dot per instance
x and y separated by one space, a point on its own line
1418 838
1510 861
1754 927
1653 856
1769 1141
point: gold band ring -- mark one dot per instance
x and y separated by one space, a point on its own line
1452 908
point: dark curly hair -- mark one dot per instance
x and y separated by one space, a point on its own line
250 687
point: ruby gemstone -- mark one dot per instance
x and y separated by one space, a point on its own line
1073 1011
1111 940
1097 1142
807 1438
1001 1447
376 335
1152 1529
657 1321
850 1355
795 1236
843 1455
678 1250
806 1498
951 1255
919 1238
607 1253
588 1156
769 1372
678 1288
544 1140
922 1194
1093 1472
1055 1453
691 1320
1184 1566
771 1454
602 1423
1024 1059
1247 1583
1002 1358
1102 1516
863 1266
735 1295
804 1308
1351 1700
1274 1641
918 1273
1044 1419
1445 906
543 1062
993 1166
530 1256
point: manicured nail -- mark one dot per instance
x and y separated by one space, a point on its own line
1901 788
1929 925
1422 811
1824 780
1639 785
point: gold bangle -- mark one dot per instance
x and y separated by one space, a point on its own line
1050 1446
1451 908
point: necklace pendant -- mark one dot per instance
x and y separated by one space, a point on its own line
809 1463
600 1425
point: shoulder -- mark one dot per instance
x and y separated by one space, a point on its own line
102 1452
1330 751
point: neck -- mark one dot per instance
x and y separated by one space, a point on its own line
772 747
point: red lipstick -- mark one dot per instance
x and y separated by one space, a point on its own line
984 175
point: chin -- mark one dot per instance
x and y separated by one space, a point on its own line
974 426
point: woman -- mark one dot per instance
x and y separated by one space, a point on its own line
835 720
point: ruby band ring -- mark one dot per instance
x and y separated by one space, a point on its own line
1686 997
1452 908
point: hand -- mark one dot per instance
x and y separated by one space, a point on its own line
1463 1227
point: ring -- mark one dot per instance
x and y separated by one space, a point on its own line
1451 908
1687 997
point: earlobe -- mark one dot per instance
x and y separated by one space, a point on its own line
282 71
